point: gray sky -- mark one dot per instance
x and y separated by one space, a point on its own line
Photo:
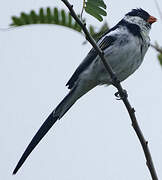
94 140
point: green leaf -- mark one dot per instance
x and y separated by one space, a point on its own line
47 16
96 8
56 17
69 20
41 15
25 18
63 16
16 21
99 3
160 59
34 17
92 13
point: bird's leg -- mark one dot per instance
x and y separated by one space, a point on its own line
121 96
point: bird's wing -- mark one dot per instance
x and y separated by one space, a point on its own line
107 42
85 63
103 44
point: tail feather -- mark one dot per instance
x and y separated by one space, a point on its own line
75 93
36 139
66 103
59 111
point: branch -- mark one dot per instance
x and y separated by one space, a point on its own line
121 92
156 47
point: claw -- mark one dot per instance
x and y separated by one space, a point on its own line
117 95
123 96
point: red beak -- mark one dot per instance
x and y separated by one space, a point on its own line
151 19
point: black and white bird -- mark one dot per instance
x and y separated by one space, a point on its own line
124 46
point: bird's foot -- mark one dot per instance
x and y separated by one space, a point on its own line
121 96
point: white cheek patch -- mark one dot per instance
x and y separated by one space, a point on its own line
145 27
135 20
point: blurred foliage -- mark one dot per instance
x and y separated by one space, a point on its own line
101 31
160 59
95 8
159 50
46 16
57 17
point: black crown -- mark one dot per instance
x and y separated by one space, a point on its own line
140 13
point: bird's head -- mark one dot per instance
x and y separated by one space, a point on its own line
141 18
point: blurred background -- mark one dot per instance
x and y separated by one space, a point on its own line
95 139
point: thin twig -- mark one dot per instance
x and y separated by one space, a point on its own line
156 48
121 92
81 14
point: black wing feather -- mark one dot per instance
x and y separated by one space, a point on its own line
106 42
86 62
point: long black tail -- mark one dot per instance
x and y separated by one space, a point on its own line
36 139
60 110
